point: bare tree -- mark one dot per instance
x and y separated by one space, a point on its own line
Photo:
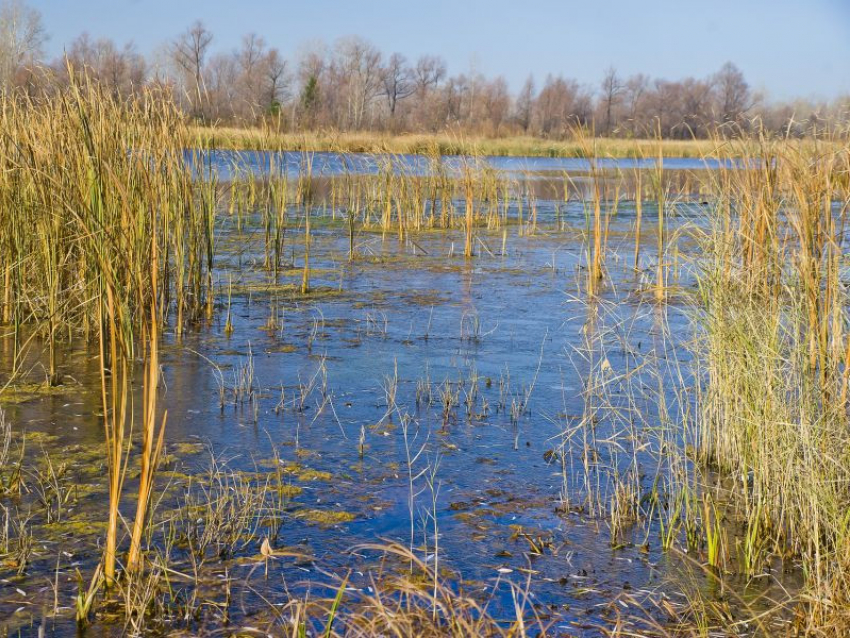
662 107
696 107
22 36
560 105
611 90
358 71
525 104
119 70
276 80
495 100
250 60
634 95
429 72
399 82
733 94
429 112
222 87
189 52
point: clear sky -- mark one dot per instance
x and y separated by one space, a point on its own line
788 48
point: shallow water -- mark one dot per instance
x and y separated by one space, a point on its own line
501 496
227 164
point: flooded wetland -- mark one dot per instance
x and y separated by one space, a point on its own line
306 394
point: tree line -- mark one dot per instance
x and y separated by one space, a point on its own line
353 86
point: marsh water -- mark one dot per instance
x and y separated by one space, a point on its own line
480 411
226 164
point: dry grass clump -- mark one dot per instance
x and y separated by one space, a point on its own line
421 604
774 355
101 235
95 194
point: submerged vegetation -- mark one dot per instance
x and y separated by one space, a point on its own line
675 383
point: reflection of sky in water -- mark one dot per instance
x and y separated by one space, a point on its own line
229 163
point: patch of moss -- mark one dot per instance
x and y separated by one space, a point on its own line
314 475
306 474
22 392
75 527
284 348
325 518
169 460
185 448
176 476
39 437
291 291
289 491
424 298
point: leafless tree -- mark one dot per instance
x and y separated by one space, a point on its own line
696 107
495 101
733 94
276 79
525 104
189 52
612 89
251 61
221 88
634 96
358 71
429 72
399 82
121 71
22 36
662 107
560 105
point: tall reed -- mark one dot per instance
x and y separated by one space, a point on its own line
773 410
120 236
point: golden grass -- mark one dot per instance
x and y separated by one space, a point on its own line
99 233
773 354
445 144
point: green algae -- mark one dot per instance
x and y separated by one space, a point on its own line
315 475
325 518
25 392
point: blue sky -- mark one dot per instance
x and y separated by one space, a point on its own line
787 48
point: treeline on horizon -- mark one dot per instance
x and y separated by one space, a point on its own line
353 86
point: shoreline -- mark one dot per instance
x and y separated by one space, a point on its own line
256 139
